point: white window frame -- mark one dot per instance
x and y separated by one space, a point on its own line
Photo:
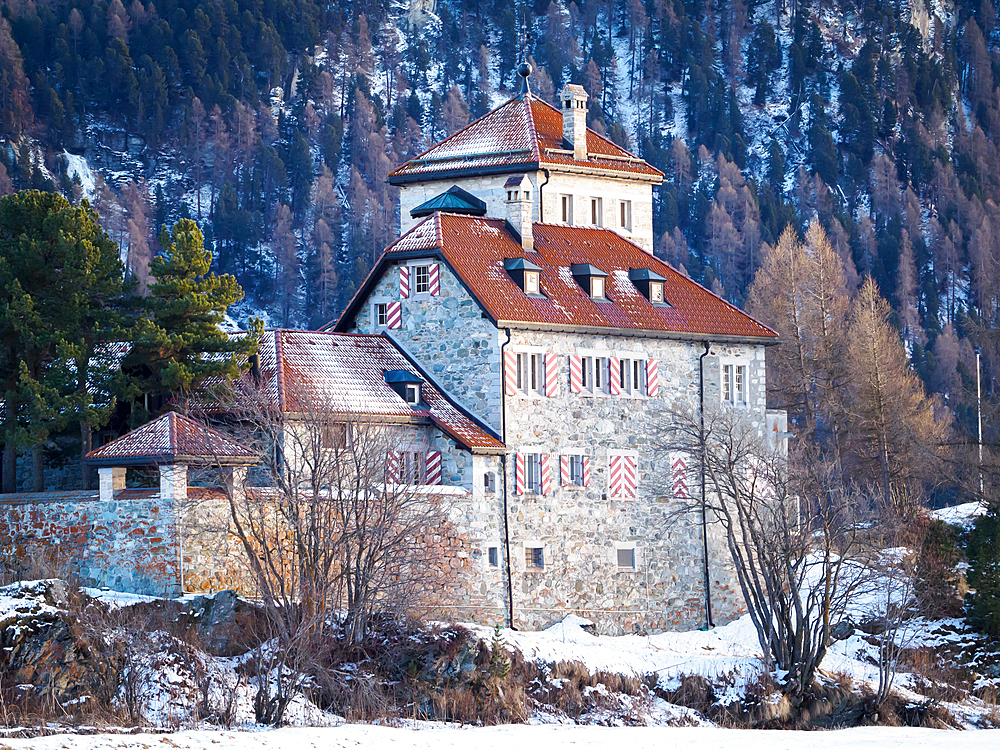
576 469
531 282
594 374
625 215
421 285
598 287
531 373
566 208
632 370
596 211
656 292
412 393
734 385
533 473
380 314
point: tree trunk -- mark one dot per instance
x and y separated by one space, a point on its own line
9 468
38 469
85 446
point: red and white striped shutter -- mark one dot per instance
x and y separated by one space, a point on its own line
394 313
518 473
615 476
510 373
614 376
575 373
546 474
432 467
652 378
551 380
392 467
630 476
435 279
563 470
679 475
586 471
404 281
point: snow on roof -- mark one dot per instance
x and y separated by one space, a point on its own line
173 438
477 248
345 374
523 133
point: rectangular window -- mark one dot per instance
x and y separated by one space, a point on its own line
734 384
533 472
576 470
626 558
592 374
534 557
596 212
530 373
412 394
413 465
336 435
631 371
567 209
490 482
625 215
421 279
597 287
494 557
381 314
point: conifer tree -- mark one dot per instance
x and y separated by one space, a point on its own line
180 350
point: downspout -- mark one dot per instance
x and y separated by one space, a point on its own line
503 472
541 203
704 509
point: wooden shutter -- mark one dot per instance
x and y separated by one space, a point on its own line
519 474
394 313
679 475
563 470
551 381
615 475
614 376
404 281
652 378
586 471
630 476
432 467
392 467
546 475
510 372
435 279
575 373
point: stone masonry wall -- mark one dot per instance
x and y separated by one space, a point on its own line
128 544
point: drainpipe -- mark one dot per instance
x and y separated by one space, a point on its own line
704 510
541 203
503 473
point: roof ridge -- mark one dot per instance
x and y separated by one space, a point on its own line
591 130
536 150
279 366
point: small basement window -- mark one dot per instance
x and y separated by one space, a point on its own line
493 554
626 558
534 558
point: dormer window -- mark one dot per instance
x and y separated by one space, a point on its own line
406 385
650 284
591 279
525 274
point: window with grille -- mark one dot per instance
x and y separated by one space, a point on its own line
534 557
734 383
381 314
421 279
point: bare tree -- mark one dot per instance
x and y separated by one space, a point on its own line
790 529
331 537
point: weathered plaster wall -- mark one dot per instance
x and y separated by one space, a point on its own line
127 544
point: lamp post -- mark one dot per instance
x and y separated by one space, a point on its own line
979 415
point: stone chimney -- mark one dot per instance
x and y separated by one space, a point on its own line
573 100
173 482
519 201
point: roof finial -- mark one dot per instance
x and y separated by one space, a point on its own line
524 70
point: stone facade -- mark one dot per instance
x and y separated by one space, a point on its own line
579 529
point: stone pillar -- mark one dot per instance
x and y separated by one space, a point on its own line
112 479
173 482
236 480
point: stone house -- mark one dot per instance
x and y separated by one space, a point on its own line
559 330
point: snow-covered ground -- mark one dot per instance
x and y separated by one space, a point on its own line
427 736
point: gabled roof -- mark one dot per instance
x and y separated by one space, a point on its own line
476 250
525 133
345 374
454 200
173 438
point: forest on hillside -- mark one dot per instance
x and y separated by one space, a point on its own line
273 125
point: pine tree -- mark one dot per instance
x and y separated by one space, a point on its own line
180 351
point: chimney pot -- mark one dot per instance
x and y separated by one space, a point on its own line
573 100
519 201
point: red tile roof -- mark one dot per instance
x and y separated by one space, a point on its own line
522 134
475 249
345 373
173 438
